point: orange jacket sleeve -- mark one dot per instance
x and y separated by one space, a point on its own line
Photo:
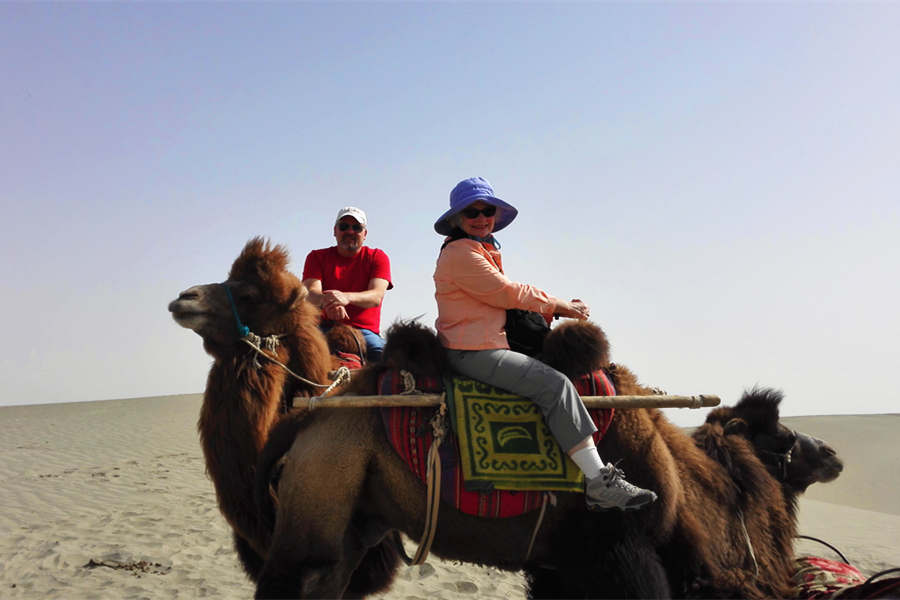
476 274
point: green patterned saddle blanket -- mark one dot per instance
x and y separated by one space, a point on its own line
504 442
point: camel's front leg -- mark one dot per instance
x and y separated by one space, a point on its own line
322 571
315 545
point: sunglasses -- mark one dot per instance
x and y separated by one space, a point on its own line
471 213
345 226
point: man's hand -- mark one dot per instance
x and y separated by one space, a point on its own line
334 299
334 303
336 313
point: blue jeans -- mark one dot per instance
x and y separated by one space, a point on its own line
374 345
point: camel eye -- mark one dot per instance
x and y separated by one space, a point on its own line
248 294
778 442
245 293
790 440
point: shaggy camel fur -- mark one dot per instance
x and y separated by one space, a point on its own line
242 401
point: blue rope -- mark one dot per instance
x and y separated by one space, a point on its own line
243 330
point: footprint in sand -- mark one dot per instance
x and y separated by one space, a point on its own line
426 570
466 587
463 587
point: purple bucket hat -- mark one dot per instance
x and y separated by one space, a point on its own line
468 191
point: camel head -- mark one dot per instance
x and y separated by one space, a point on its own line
811 461
795 459
260 293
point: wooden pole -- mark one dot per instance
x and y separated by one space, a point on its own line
424 400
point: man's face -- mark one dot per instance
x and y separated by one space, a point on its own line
350 235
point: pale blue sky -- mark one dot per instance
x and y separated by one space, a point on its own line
718 181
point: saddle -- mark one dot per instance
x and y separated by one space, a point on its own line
476 481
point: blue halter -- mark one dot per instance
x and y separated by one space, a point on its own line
243 330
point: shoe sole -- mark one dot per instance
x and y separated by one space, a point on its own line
596 508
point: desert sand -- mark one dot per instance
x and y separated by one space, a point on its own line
110 500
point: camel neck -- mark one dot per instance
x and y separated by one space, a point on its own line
235 419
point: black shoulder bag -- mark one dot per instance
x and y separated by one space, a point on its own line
525 331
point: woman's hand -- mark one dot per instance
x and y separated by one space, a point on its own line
574 309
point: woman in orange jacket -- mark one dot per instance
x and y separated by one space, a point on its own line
473 294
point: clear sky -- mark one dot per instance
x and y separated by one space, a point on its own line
719 182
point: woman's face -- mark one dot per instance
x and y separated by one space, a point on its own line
479 225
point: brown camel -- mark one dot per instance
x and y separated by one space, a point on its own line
342 490
246 394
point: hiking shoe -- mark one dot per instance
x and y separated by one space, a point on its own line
610 490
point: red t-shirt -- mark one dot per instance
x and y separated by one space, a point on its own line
350 275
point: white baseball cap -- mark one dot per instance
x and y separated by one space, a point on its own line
351 211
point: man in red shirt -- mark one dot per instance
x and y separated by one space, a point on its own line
349 280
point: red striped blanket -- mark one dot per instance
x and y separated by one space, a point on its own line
819 578
409 431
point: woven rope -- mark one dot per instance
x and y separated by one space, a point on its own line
271 343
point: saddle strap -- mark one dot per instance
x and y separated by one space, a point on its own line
433 500
433 493
537 525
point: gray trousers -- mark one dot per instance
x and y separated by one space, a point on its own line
563 410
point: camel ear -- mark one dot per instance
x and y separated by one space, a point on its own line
736 427
296 297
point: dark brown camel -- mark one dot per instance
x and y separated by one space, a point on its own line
691 543
758 469
342 488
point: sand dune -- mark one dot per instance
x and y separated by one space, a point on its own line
110 500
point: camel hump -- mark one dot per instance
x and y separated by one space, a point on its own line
414 347
576 348
347 344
